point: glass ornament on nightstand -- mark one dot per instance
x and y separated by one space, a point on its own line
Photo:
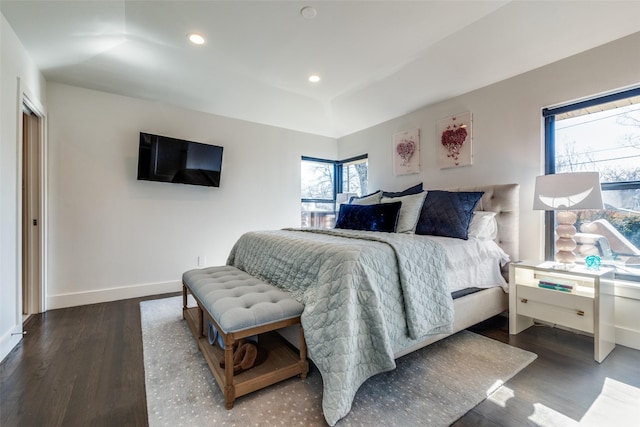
593 262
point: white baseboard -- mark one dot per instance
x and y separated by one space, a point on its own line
111 294
628 337
10 340
627 302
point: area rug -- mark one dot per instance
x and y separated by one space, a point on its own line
433 386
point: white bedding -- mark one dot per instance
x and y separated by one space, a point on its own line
472 263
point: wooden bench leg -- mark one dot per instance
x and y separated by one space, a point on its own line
201 322
184 299
201 327
304 364
229 388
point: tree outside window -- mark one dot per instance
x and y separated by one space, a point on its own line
322 180
355 177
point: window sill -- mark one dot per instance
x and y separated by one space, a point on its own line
626 277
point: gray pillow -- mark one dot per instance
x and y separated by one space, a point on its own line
409 211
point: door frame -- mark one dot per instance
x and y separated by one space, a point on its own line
38 301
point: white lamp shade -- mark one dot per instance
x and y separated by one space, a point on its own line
568 191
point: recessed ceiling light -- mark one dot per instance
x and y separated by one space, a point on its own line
308 12
314 78
196 38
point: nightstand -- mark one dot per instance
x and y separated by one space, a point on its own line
579 299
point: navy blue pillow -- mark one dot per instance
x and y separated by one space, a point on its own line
409 191
448 213
380 217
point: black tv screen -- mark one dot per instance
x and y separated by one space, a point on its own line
165 159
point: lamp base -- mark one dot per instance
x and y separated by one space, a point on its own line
565 244
563 266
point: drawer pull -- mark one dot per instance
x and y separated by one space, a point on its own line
524 300
580 313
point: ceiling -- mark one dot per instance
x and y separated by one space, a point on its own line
377 59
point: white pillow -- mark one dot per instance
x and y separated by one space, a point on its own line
483 226
369 199
409 211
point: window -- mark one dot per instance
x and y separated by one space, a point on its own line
603 135
318 192
322 180
354 176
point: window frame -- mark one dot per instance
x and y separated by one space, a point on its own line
319 160
337 175
549 115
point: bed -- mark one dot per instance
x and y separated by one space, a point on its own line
371 297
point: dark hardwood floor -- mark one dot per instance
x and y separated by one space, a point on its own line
83 366
79 366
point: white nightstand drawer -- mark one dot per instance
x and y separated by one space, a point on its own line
557 307
589 307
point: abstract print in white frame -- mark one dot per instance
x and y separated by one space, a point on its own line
454 136
406 152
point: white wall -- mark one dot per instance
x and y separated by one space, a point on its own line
18 74
112 236
508 140
508 132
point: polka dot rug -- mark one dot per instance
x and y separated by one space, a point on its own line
433 386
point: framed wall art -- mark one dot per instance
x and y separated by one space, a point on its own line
406 152
454 135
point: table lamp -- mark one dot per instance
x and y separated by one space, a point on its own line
565 193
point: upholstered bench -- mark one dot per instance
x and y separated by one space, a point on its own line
240 306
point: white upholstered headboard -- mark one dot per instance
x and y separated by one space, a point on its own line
505 201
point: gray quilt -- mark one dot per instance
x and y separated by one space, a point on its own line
366 296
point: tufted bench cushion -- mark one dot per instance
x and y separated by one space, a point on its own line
239 306
239 301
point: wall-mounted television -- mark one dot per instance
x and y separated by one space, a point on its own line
165 159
